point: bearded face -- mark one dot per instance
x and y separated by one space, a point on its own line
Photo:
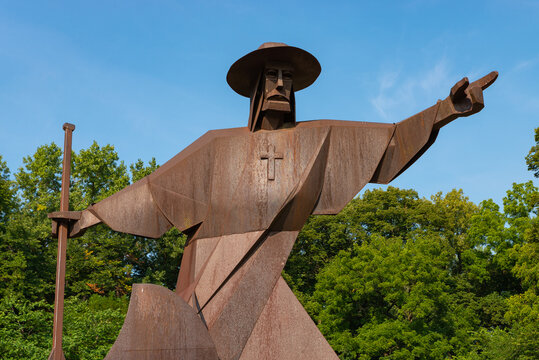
278 88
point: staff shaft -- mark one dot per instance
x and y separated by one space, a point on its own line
57 352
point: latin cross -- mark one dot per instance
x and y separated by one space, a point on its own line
271 156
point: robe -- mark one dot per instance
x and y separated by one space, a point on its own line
242 197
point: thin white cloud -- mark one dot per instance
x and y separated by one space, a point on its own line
435 76
525 64
388 80
399 93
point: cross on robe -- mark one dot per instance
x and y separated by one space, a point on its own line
271 156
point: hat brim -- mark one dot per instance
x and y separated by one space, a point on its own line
243 73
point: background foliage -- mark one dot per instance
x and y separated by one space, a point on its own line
393 276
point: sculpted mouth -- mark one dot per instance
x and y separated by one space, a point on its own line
278 98
276 101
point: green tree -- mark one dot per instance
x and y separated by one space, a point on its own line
395 293
7 194
12 263
422 279
97 174
100 264
139 170
523 312
92 326
27 251
532 159
386 298
392 213
25 328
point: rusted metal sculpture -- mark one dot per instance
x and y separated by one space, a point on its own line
242 195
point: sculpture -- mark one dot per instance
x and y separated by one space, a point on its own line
241 196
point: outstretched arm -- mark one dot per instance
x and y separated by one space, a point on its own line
176 194
413 136
132 210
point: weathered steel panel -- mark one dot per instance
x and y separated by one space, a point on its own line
160 325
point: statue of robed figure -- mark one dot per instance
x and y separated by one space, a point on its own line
241 196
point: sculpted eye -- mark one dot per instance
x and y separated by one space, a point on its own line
287 75
271 73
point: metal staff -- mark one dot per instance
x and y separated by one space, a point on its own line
63 228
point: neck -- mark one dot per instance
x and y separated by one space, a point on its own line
272 120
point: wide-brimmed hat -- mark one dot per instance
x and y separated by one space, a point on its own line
243 73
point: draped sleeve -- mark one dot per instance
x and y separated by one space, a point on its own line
363 152
412 137
176 194
354 153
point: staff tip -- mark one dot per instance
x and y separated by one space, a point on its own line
68 126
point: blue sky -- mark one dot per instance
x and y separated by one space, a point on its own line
149 77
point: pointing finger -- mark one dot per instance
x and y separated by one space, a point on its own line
485 81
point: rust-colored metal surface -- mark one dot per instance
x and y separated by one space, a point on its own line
63 227
288 326
160 325
242 195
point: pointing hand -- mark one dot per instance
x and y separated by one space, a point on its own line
467 98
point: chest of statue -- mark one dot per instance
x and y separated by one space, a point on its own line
254 175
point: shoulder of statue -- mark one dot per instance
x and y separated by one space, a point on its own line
221 133
342 123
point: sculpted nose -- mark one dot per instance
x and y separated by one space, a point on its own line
280 80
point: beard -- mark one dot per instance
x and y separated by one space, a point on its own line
281 105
